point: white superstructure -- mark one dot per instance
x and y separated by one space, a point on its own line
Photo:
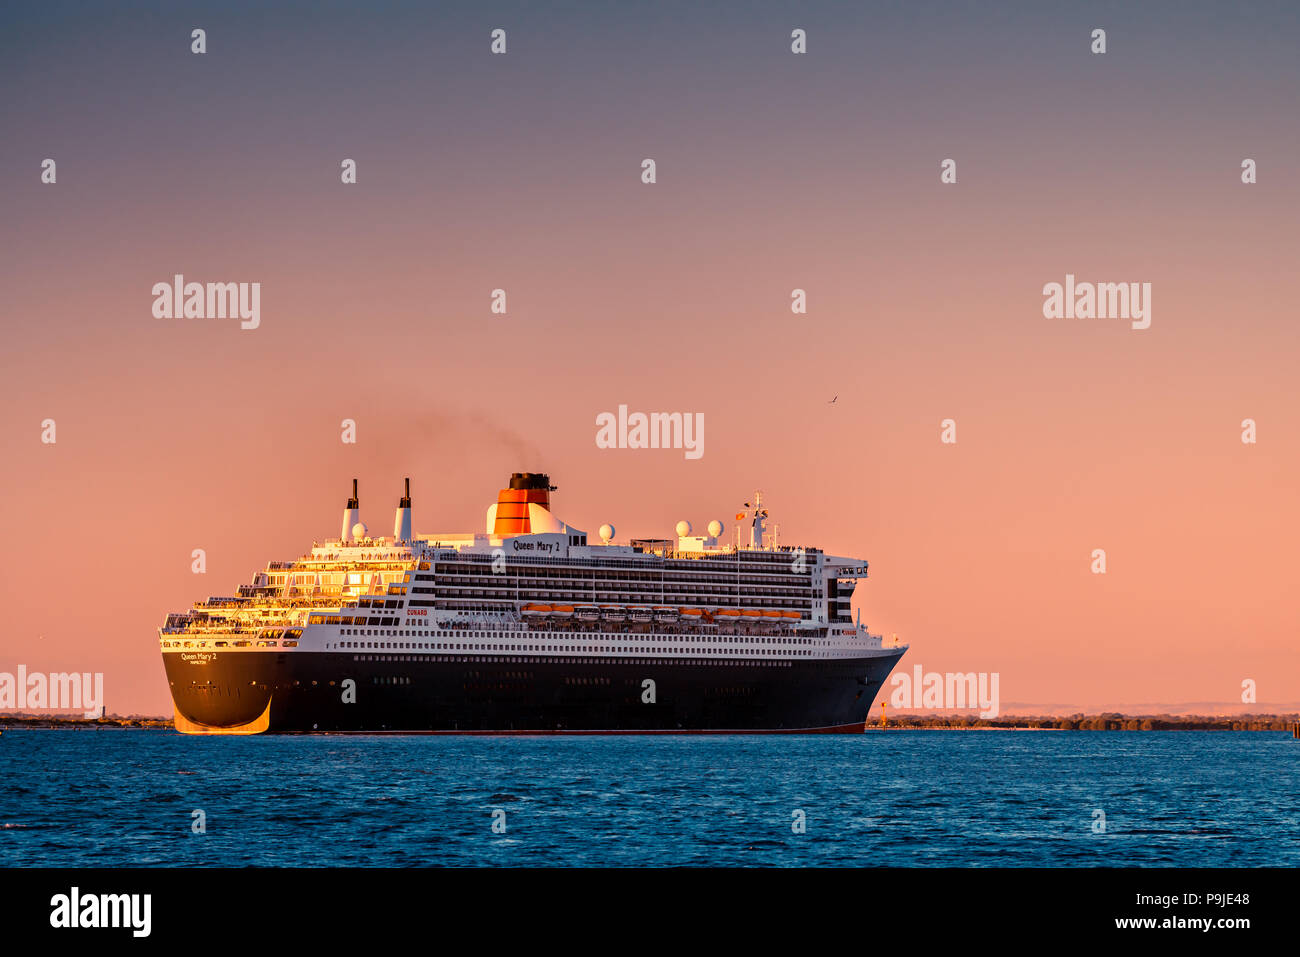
531 585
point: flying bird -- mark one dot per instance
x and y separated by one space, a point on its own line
832 401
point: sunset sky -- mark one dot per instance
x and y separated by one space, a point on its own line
775 171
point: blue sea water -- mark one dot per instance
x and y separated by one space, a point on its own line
909 798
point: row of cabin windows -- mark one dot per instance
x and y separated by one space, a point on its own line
712 639
532 660
660 649
452 646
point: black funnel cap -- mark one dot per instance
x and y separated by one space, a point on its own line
531 480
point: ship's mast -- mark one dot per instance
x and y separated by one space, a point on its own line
756 525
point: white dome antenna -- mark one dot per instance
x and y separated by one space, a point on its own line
606 533
683 528
716 529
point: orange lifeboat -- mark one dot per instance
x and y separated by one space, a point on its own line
751 613
537 610
771 613
727 613
791 615
691 612
562 611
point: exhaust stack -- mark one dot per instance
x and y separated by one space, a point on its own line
351 515
402 521
510 514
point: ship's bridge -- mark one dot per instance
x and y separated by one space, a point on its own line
846 567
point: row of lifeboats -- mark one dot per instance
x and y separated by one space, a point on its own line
660 613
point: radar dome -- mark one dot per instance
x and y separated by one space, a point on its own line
359 531
715 528
606 532
683 528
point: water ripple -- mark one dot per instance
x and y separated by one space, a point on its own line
126 798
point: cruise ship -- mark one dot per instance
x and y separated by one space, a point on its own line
529 628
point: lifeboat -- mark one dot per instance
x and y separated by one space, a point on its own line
641 614
613 613
727 613
665 613
562 611
694 614
772 614
586 612
751 613
791 615
536 611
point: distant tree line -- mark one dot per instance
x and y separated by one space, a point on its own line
1110 721
58 721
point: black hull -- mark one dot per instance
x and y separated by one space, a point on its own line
252 692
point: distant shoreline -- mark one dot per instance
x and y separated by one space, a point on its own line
1106 721
1109 721
72 723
